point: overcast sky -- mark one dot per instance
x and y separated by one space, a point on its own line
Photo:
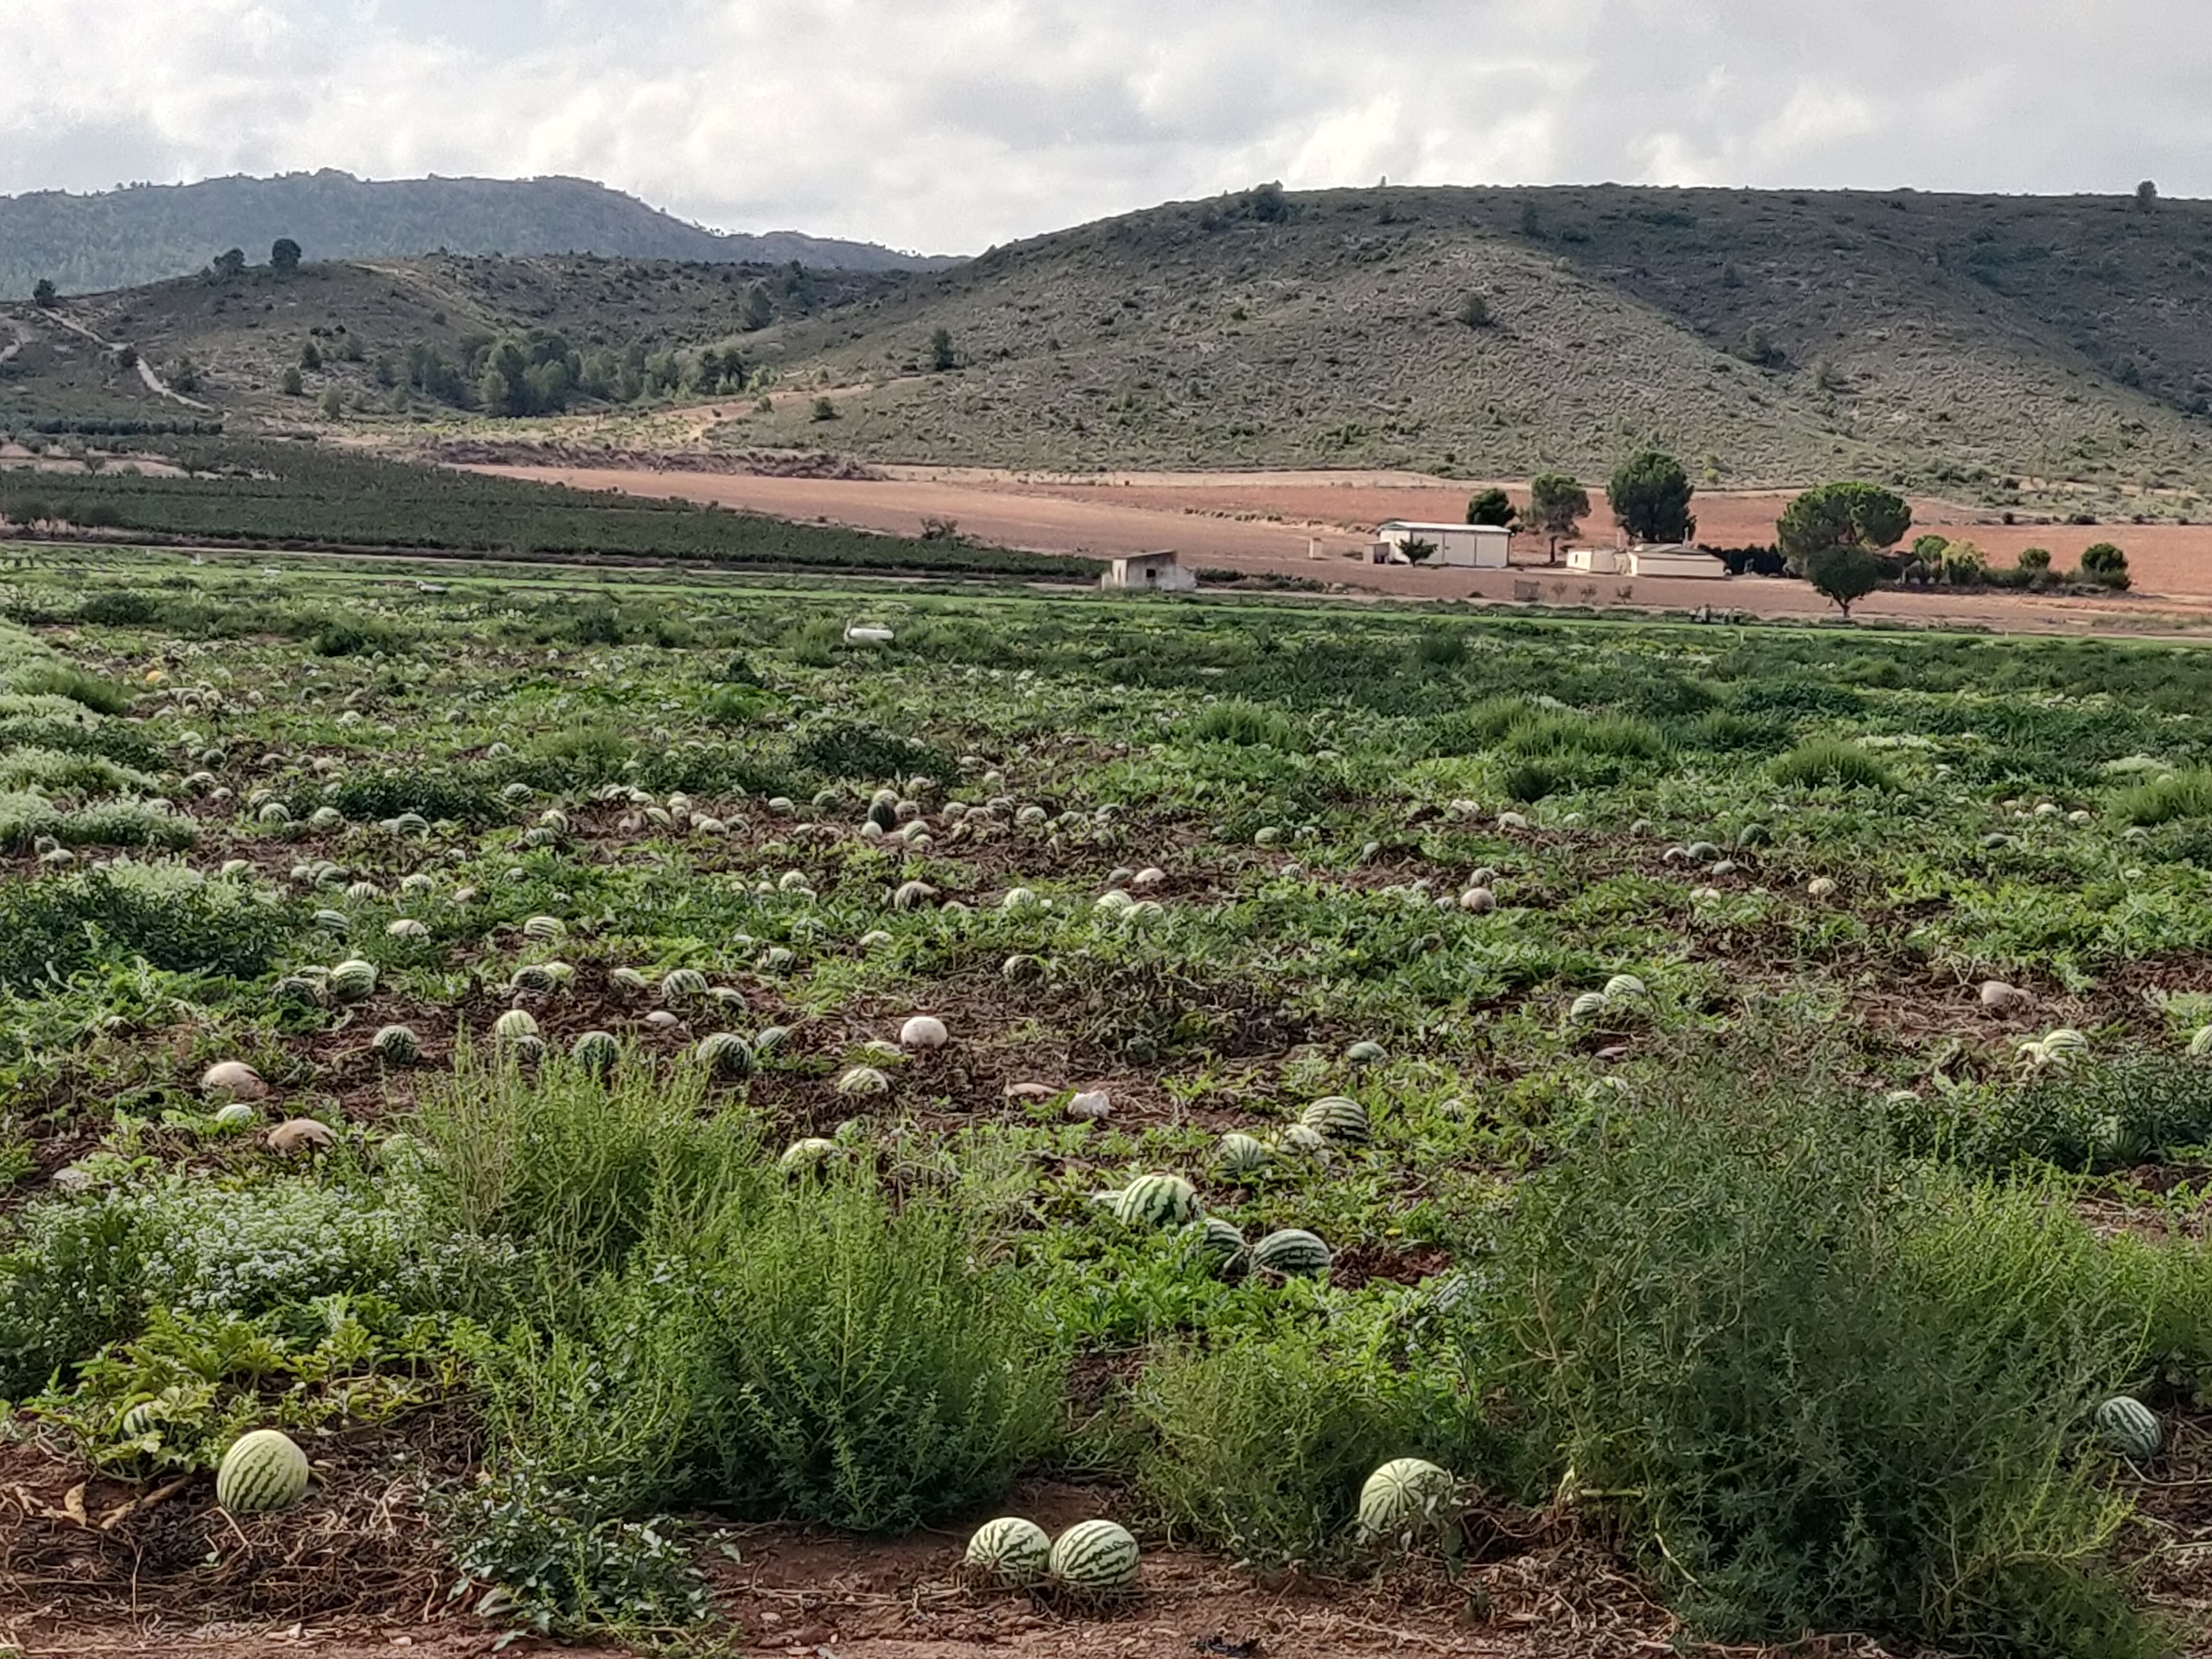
946 127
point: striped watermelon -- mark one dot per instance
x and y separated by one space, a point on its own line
1589 1005
1217 1239
1293 1252
2130 1428
1095 1557
140 1418
1365 1054
513 1025
863 1080
727 1054
596 1051
680 982
1404 1499
398 1045
1622 985
533 976
1010 1550
1242 1155
1157 1201
1339 1117
1304 1140
626 979
263 1470
770 1038
236 1115
353 981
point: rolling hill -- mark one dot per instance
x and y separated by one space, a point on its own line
1768 337
143 233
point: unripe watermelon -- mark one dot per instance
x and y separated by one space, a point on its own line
513 1025
398 1045
627 979
544 927
596 1051
1218 1239
678 983
263 1470
1365 1054
1292 1252
727 1054
863 1080
769 1038
1010 1550
1337 1116
533 976
2130 1428
1157 1201
236 1115
1095 1557
353 981
1242 1155
1624 986
1304 1140
1406 1497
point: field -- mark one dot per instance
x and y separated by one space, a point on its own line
733 1105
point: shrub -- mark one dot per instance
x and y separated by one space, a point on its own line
2104 564
1248 725
368 800
60 680
1820 1402
1833 763
1259 1444
356 636
845 749
62 926
2035 558
119 607
1528 782
2164 801
68 1284
68 774
277 1244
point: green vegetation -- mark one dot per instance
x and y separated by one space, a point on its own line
1840 515
1651 498
304 493
631 1058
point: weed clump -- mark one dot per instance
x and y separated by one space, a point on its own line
1834 764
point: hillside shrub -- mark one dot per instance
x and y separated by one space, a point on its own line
1815 1402
1831 762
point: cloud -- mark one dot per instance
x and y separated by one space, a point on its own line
943 125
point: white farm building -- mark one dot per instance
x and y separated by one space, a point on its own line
1474 546
1675 562
1160 573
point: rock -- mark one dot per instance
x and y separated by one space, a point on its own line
1090 1104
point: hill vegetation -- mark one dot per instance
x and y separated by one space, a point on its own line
400 337
1928 341
144 233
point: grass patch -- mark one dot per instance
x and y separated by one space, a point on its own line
1831 762
2168 799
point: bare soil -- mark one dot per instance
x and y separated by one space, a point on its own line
1317 525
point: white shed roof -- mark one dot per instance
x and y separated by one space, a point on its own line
1408 524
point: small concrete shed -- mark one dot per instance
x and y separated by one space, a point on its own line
1678 562
1470 546
1158 573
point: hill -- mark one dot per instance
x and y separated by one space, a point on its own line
1768 337
144 233
391 339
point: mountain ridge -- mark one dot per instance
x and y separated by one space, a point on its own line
143 233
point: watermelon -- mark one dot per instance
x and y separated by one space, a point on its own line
626 979
1293 1252
1622 985
1217 1239
1242 1155
1022 968
364 892
1304 1140
533 976
806 1156
770 1038
406 928
863 1080
1337 1116
236 1115
2129 1429
398 1045
727 1054
1010 1551
1157 1201
140 1418
923 1031
353 981
1589 1005
1404 1499
263 1470
233 1079
1095 1557
912 896
1365 1054
596 1051
513 1025
680 982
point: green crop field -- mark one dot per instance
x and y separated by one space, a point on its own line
628 1080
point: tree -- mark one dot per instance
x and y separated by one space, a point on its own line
230 262
43 295
1650 497
1556 504
1417 550
2145 196
1268 204
1840 515
1492 506
333 403
293 385
941 354
2104 564
126 358
1842 572
825 408
284 255
2035 558
759 311
310 355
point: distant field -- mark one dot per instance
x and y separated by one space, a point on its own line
1306 525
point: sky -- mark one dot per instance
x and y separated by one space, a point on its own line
946 128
